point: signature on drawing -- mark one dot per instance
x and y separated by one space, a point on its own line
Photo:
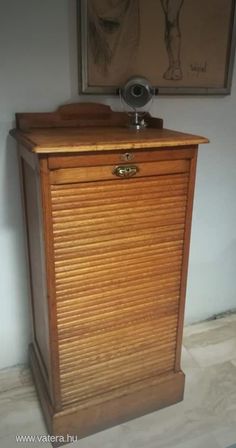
198 68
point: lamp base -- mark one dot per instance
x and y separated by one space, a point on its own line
137 121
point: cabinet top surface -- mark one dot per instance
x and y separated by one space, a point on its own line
63 140
84 127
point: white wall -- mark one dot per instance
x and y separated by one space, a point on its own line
38 72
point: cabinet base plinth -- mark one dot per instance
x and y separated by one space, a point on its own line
85 419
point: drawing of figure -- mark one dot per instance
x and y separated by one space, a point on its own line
113 27
172 9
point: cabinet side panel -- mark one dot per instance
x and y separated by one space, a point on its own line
37 271
187 235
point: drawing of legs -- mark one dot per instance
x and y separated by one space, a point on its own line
172 9
113 24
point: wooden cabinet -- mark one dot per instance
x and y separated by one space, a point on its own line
108 215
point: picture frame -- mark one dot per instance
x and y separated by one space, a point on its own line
136 38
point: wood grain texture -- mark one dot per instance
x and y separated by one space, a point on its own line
102 412
50 279
116 257
187 234
53 140
131 251
79 115
36 261
59 161
77 128
84 174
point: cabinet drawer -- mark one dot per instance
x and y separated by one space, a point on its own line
113 158
94 173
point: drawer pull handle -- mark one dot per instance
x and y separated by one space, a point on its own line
125 171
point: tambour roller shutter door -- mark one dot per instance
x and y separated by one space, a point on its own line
118 250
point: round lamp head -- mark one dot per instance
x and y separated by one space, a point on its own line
137 92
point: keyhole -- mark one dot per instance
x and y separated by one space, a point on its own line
127 156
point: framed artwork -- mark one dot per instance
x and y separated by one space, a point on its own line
180 46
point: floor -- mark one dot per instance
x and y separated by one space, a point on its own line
205 419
